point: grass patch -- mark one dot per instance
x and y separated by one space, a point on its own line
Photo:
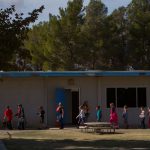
70 138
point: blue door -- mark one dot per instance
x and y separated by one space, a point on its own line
60 96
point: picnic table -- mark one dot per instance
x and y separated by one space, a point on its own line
98 127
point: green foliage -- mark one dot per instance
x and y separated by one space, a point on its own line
65 40
58 41
115 42
38 44
13 31
139 29
82 38
92 30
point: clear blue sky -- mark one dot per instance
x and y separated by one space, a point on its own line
51 6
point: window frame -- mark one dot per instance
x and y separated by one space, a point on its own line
126 87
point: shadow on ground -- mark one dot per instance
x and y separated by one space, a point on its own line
24 144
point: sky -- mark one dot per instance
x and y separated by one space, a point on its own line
52 6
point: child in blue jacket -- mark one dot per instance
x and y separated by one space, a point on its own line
98 113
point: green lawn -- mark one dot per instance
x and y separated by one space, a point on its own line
71 138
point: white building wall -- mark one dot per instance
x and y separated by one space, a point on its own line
26 91
37 91
123 82
87 91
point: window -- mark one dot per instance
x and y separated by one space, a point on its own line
126 96
121 97
132 97
111 96
141 97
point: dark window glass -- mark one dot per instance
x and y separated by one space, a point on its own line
131 97
126 96
111 96
121 97
141 93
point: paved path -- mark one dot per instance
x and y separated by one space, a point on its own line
2 146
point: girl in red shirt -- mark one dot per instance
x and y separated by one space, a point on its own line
8 115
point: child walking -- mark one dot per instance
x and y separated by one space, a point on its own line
41 114
142 118
81 116
98 113
148 117
60 115
113 116
86 110
125 117
21 117
8 115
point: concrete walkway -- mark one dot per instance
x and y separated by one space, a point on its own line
2 146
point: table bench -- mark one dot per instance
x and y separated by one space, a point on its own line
98 127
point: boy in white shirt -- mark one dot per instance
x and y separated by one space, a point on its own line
81 116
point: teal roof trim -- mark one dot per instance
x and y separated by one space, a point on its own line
74 74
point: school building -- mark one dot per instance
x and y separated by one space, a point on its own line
72 88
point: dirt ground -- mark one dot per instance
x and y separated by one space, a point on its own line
74 139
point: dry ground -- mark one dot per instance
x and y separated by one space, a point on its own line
74 139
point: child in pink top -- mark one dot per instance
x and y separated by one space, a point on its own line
113 115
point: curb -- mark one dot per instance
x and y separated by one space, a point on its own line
2 146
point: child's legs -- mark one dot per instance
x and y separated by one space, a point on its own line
143 123
79 121
22 125
61 123
126 123
149 123
19 124
9 125
83 120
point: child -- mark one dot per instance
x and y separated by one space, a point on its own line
60 115
4 123
41 114
8 114
86 110
148 117
81 116
142 118
98 113
113 116
125 117
21 117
